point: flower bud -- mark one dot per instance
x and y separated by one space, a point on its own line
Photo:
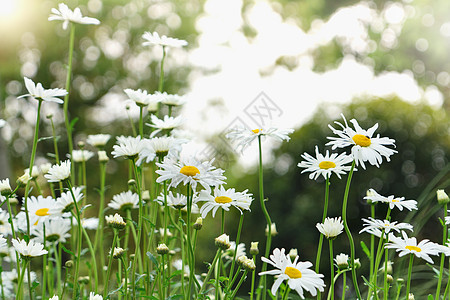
162 249
83 279
81 145
370 193
5 188
411 296
442 197
118 252
102 156
389 278
146 195
23 180
357 263
115 221
198 224
254 248
241 259
273 230
342 261
223 242
249 264
69 264
293 253
131 183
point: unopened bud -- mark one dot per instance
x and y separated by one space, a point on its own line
389 278
162 249
131 183
5 188
273 230
83 279
23 180
357 263
102 156
442 197
81 144
411 296
293 253
223 242
49 116
198 224
254 248
146 195
118 252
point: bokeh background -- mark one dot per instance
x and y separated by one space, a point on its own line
377 61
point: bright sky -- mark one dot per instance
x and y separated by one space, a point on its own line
297 92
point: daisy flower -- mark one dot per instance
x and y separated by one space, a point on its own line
2 123
442 197
98 140
407 245
34 171
56 230
39 209
5 227
160 147
88 223
45 167
172 99
3 245
154 39
400 203
30 249
39 93
82 155
115 221
177 201
129 147
94 296
140 97
325 165
243 136
64 203
189 170
125 200
331 227
371 223
59 172
298 274
365 147
65 14
168 123
224 199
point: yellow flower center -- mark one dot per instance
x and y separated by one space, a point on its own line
411 248
42 212
256 131
327 165
189 171
293 273
223 199
395 200
361 140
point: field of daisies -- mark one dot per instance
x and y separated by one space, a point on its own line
51 249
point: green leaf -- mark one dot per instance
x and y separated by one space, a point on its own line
67 250
73 122
34 285
84 207
139 278
365 249
45 138
153 259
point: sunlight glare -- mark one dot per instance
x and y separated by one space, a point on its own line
8 7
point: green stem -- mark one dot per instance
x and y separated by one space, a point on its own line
141 121
80 239
441 269
330 241
385 282
263 279
66 97
44 266
324 215
33 155
238 237
372 242
239 284
344 287
408 283
12 230
140 218
347 231
219 265
108 274
94 261
58 268
98 243
252 289
125 267
183 251
19 285
286 292
161 76
208 275
166 212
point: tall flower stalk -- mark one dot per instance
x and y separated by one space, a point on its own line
348 232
